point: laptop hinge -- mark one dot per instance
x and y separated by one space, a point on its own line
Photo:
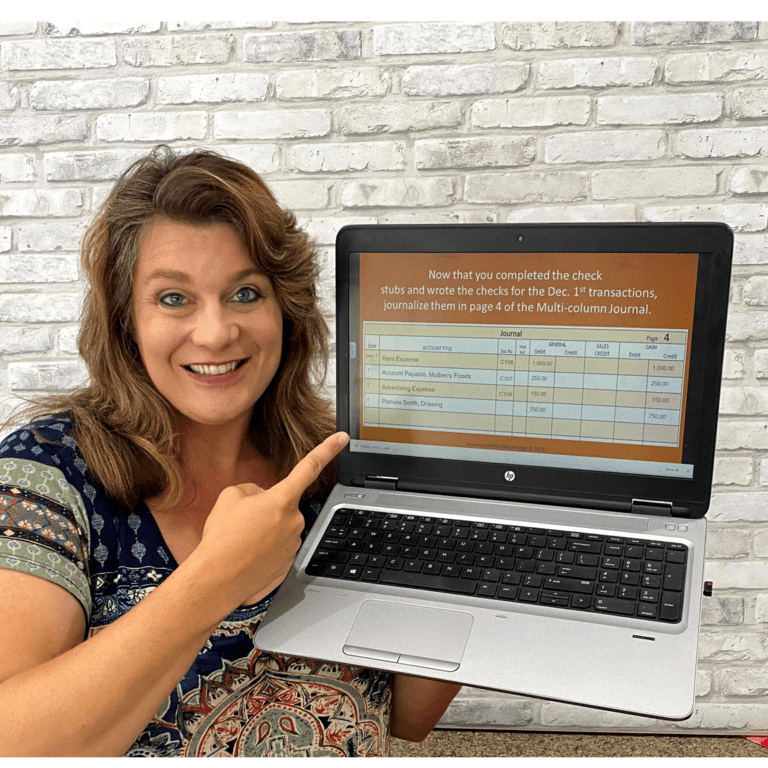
647 507
381 482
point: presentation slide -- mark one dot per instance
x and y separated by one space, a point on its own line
574 354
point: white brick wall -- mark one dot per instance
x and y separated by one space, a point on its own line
425 122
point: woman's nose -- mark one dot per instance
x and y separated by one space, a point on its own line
214 327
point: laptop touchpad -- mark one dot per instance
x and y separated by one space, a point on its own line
433 638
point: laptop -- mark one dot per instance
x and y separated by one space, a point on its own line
521 507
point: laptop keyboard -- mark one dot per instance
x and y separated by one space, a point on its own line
573 570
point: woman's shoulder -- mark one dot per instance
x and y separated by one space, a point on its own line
55 430
42 457
47 440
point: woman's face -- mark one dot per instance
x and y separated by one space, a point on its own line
207 323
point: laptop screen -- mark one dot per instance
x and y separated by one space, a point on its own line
560 360
579 360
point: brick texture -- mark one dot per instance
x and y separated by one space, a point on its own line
365 122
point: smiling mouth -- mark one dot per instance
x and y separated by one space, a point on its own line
216 370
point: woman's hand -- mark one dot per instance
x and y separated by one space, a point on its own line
253 535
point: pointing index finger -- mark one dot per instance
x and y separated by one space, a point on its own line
310 467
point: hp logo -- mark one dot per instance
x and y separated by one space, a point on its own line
509 475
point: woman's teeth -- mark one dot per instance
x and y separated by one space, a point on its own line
214 370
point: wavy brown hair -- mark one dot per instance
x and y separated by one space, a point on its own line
124 427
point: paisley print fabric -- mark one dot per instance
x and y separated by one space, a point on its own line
235 700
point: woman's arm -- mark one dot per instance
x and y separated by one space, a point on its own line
62 696
418 704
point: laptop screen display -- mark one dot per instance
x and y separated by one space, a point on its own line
571 360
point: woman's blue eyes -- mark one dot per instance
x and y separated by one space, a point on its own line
172 300
244 295
247 294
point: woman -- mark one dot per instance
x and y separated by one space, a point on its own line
146 520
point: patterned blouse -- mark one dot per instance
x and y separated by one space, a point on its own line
235 700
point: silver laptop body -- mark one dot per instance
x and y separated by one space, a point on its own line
575 561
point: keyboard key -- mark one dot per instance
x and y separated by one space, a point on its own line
370 574
669 608
334 543
577 572
425 581
352 571
653 582
524 553
570 585
547 599
673 577
592 547
614 605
